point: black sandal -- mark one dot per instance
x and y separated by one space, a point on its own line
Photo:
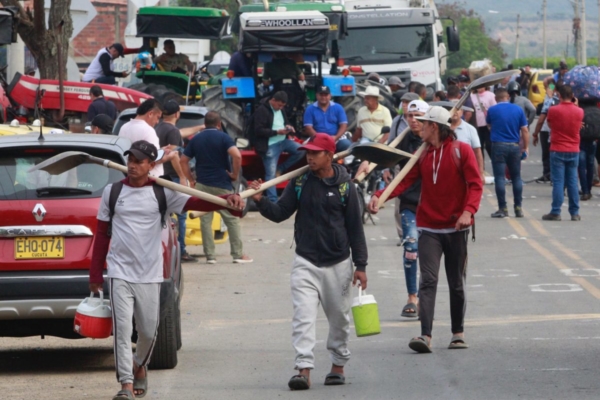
299 382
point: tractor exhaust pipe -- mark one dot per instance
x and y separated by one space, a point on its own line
266 4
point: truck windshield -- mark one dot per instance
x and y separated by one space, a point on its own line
391 44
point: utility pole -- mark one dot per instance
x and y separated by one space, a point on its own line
576 32
517 41
544 30
583 35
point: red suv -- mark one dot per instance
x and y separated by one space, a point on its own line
47 226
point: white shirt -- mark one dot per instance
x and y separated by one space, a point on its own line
135 252
137 129
467 133
94 70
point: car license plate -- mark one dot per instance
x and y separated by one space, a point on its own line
27 248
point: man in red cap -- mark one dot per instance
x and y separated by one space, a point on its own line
329 239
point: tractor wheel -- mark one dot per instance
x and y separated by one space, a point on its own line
231 113
140 87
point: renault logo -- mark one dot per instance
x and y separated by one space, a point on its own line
39 212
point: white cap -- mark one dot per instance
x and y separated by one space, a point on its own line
418 106
436 114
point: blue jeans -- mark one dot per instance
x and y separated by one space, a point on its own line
507 155
107 80
271 158
181 222
410 242
587 152
563 167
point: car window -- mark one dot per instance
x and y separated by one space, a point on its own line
16 183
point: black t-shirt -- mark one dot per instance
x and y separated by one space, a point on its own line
168 134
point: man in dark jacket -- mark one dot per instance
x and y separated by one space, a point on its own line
271 132
328 226
100 105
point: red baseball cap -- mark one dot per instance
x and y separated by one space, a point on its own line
320 142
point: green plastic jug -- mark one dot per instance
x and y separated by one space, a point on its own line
365 314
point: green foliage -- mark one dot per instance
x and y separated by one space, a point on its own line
228 45
475 44
551 62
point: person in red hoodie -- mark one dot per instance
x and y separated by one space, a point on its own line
451 190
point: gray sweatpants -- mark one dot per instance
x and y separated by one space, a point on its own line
129 300
331 287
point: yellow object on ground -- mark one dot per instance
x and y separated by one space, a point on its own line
193 234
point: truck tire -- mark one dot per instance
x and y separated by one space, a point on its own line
140 87
164 355
231 113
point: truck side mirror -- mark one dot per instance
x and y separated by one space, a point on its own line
453 38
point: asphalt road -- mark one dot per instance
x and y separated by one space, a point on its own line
532 322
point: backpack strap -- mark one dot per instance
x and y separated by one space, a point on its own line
343 188
299 183
115 191
159 192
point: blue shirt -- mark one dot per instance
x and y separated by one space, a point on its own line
506 120
209 148
325 121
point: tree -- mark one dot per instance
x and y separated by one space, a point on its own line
475 44
47 44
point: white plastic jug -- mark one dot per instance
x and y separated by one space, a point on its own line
366 314
93 317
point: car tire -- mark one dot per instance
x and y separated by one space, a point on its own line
164 355
178 312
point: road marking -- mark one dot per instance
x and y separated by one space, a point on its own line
547 287
581 272
548 255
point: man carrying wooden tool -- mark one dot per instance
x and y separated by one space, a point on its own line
451 191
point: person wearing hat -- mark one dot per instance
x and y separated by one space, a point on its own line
371 118
447 167
172 61
395 84
169 136
563 68
102 124
129 243
326 116
100 69
329 237
100 105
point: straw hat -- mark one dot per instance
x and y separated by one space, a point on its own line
371 91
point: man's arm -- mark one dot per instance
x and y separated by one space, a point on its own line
525 137
105 64
479 158
184 163
190 65
176 163
538 128
91 112
530 111
357 134
236 162
309 130
341 130
356 234
192 130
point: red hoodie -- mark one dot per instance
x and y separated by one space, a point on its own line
444 201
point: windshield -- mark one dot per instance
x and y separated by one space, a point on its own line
84 181
391 44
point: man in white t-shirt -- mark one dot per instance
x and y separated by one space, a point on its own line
131 247
142 128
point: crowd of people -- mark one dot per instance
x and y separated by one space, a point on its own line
331 251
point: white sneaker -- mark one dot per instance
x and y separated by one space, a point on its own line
211 260
244 260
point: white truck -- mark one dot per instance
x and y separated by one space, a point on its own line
398 37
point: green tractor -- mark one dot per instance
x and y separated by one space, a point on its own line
174 23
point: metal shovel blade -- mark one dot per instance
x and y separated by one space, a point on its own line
491 80
382 154
61 162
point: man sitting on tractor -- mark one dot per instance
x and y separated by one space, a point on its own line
174 62
100 69
371 118
325 116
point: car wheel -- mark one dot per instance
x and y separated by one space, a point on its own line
164 355
178 313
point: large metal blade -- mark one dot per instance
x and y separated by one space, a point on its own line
61 162
491 80
384 155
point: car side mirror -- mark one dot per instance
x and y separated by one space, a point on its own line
453 38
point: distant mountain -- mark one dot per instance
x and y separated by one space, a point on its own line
500 18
